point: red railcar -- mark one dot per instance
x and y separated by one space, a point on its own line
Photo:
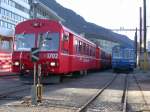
105 60
61 50
6 48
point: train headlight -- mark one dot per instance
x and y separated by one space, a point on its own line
16 63
53 64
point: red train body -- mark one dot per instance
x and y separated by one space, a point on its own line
61 50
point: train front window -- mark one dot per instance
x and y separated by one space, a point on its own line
117 53
49 41
24 42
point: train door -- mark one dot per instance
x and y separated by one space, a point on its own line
65 49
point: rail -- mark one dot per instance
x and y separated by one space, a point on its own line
84 107
142 94
125 94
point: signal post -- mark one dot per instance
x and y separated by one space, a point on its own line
37 88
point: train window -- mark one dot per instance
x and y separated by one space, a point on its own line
84 48
65 42
90 51
66 37
117 53
87 49
126 53
76 46
80 47
49 41
25 41
93 51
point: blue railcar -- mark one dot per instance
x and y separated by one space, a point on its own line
123 58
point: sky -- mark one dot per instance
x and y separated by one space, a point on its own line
112 14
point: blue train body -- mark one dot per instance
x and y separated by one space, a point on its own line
123 58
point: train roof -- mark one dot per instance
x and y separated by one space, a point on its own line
62 26
79 36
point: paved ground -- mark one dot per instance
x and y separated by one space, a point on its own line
137 98
72 93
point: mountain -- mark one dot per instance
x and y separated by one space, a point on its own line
78 24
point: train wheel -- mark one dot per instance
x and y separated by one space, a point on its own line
51 79
131 70
21 73
82 72
76 74
85 72
114 70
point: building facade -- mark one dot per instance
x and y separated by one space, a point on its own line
11 13
40 10
105 43
14 11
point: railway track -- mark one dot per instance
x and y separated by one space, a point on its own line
123 102
86 106
146 106
119 93
125 95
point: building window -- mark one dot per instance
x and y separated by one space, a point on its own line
13 16
16 5
6 25
26 1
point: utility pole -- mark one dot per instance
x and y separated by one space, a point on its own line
145 32
140 31
145 29
140 41
135 45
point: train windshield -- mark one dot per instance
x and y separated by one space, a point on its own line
117 53
129 54
49 41
24 42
